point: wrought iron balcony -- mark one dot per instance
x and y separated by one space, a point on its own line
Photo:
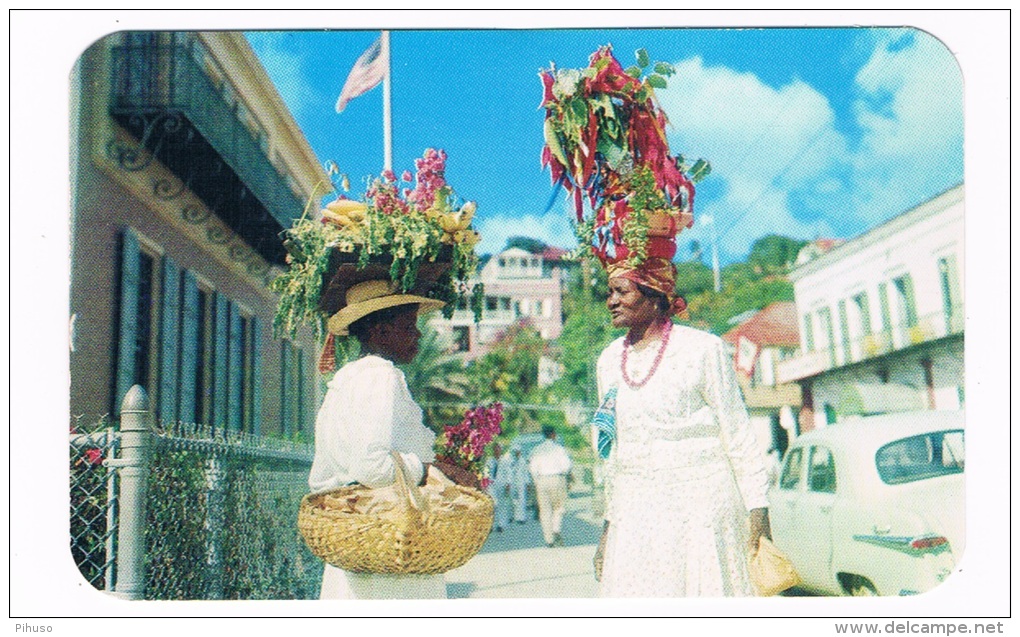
174 99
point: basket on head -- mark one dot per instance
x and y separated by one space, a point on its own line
396 530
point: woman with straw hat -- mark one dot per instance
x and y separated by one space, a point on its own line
367 413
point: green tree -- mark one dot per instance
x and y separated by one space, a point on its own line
774 253
527 244
437 380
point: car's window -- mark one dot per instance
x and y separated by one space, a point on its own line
792 469
928 455
821 471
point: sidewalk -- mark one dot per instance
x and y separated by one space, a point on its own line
517 564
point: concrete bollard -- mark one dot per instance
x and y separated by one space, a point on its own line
133 466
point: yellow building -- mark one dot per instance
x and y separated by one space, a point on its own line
185 167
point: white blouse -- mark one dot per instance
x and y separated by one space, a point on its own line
367 412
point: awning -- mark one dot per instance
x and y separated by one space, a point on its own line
878 398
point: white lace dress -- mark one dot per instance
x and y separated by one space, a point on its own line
682 474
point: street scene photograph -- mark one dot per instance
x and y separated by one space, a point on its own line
621 318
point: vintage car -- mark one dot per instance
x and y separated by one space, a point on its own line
873 505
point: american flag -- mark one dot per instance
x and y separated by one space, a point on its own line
368 71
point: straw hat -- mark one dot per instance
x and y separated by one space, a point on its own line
371 296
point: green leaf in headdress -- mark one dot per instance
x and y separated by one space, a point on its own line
656 81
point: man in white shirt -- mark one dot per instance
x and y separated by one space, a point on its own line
549 467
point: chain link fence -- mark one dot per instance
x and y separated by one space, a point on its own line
93 499
220 514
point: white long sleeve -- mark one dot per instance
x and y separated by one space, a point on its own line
367 412
723 394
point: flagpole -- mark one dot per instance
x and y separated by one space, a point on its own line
387 120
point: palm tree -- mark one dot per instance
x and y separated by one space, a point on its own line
437 380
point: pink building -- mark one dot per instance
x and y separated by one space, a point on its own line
520 287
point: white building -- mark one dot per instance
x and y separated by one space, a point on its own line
882 318
519 287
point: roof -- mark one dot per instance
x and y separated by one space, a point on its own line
775 324
552 253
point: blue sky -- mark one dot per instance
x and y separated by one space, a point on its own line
812 132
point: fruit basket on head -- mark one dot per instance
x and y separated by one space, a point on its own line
412 231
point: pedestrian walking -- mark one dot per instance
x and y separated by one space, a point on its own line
519 478
500 470
549 465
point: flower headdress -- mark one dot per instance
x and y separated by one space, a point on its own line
606 143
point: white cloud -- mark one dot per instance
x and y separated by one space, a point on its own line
781 165
765 145
910 111
552 228
284 67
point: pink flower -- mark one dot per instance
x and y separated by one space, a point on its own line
405 176
93 456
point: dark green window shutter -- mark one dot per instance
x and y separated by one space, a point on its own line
236 370
130 260
169 343
302 398
256 376
221 349
285 351
189 349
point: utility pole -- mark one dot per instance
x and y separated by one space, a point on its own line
708 219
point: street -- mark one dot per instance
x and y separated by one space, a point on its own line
517 564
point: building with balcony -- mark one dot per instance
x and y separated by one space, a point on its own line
185 167
760 344
520 287
882 318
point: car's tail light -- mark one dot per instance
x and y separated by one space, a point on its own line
927 543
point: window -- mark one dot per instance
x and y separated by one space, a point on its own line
825 320
790 479
192 349
863 313
461 338
844 329
504 303
907 310
139 295
949 281
292 388
205 356
491 303
821 471
921 457
809 333
883 300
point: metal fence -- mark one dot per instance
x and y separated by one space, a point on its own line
187 511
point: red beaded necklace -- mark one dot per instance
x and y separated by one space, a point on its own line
655 364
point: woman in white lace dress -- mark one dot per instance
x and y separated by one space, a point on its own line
685 480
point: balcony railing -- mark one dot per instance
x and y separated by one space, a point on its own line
155 87
898 337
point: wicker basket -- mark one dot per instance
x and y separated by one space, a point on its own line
406 530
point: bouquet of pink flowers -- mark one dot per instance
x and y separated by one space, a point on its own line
463 444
